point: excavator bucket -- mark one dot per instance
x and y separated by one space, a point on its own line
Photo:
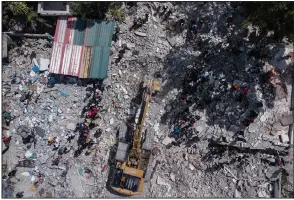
156 86
152 84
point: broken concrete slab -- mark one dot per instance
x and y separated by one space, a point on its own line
172 177
71 126
44 64
44 158
130 45
284 138
172 41
287 120
167 140
262 194
278 126
237 194
140 34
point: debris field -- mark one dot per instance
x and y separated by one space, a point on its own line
220 122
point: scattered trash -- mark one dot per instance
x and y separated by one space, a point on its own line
64 94
28 154
26 163
167 140
105 167
81 171
36 69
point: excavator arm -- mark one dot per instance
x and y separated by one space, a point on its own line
130 172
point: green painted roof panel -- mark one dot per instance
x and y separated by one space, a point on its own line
99 33
99 65
79 32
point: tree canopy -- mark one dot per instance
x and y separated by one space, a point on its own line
277 16
92 9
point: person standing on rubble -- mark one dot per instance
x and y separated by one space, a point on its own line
117 30
88 95
6 140
97 96
135 23
243 94
7 117
92 112
69 136
81 127
51 82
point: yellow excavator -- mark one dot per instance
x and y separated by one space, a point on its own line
132 161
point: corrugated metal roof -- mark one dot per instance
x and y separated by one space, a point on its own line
60 29
87 58
56 57
71 60
81 47
100 59
99 33
79 32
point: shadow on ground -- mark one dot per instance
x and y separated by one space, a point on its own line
204 81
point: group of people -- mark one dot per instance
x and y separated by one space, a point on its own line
185 127
90 113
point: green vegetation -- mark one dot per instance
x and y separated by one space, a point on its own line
284 176
95 9
22 15
277 16
117 14
18 8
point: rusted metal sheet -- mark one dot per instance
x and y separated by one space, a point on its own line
69 63
87 58
60 29
56 57
71 26
67 58
70 30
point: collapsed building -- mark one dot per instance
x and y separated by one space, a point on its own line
221 120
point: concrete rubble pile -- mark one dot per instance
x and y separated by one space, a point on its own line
220 121
41 114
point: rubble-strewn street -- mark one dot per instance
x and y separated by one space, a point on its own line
220 122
